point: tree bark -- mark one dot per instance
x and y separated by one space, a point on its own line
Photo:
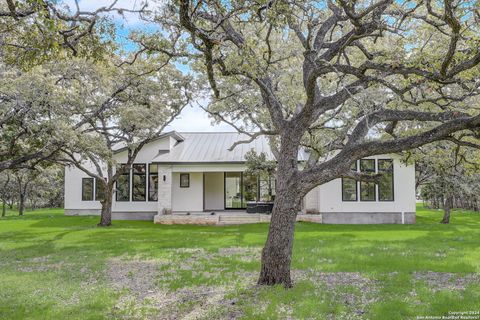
21 204
277 253
446 209
4 209
106 213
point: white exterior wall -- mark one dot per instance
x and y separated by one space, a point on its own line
165 181
187 199
311 201
330 194
73 191
73 183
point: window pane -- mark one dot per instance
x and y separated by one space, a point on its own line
139 168
123 186
99 190
249 188
153 182
184 180
367 189
153 168
233 192
349 189
367 165
87 189
349 186
139 182
385 186
267 189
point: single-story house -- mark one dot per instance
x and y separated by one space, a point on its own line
195 173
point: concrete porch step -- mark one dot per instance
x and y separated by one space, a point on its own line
242 219
226 219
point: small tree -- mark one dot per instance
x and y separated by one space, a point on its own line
132 104
448 175
6 190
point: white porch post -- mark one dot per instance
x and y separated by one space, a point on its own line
164 189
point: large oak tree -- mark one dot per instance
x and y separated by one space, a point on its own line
345 79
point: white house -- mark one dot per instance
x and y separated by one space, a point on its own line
191 173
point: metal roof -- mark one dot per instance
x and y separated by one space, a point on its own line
213 147
121 146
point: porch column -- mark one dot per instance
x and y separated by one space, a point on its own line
164 189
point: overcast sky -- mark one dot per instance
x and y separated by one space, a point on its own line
193 118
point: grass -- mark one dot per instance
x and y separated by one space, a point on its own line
58 267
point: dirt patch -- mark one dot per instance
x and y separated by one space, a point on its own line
446 281
142 298
143 294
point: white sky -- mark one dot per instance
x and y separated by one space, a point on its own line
194 119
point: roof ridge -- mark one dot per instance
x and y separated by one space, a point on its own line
208 132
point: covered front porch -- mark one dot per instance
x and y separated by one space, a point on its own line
213 195
196 189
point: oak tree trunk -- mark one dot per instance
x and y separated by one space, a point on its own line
277 253
106 213
446 210
4 208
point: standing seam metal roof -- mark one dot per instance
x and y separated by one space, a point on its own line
213 147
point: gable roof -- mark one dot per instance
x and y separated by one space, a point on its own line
208 147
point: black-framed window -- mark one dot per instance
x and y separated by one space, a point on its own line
184 180
385 185
139 182
241 187
153 182
367 189
123 185
87 189
349 187
99 190
266 188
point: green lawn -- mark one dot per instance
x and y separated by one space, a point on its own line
57 267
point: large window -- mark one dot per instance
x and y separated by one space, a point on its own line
385 185
139 182
153 182
123 185
349 187
99 190
241 188
87 189
367 189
